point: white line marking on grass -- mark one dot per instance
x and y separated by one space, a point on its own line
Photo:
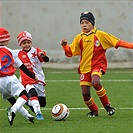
115 80
87 108
81 109
101 108
76 72
120 71
62 80
60 72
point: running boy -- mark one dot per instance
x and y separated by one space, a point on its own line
33 58
91 45
9 84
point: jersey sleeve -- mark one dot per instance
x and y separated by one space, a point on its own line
107 40
17 61
74 48
39 50
124 44
67 50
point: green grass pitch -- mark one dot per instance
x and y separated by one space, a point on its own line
63 87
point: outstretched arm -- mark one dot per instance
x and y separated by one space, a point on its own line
66 48
124 44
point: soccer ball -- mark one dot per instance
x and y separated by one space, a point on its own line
60 112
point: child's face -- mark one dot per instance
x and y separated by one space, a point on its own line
86 26
4 43
26 45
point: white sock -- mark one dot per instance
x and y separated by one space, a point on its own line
29 102
19 103
36 106
23 111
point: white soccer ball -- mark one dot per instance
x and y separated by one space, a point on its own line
60 112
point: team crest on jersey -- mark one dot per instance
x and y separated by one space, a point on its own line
97 43
34 54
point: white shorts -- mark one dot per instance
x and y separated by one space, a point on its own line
39 89
10 86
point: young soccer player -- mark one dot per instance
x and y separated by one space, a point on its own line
9 84
22 110
33 58
91 45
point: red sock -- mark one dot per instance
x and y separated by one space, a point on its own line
91 105
103 96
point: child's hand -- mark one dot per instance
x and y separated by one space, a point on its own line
63 42
41 54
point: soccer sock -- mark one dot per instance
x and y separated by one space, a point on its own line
19 103
91 105
103 97
23 111
35 104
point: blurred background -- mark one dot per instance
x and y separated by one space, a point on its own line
50 21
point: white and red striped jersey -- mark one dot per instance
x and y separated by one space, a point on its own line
32 61
8 61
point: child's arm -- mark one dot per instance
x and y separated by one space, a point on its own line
43 56
124 44
66 48
27 72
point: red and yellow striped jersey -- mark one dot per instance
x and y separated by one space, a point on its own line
91 48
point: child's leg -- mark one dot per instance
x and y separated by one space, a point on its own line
23 97
22 110
42 101
41 94
85 83
34 100
35 103
88 100
101 92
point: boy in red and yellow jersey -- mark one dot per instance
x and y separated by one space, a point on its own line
91 45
